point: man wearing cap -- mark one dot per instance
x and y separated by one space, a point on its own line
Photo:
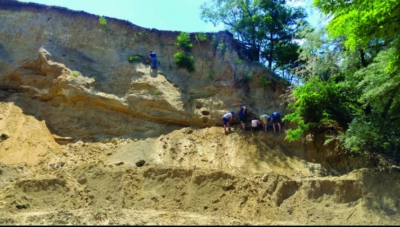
226 119
153 59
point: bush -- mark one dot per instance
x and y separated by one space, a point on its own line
201 37
184 61
247 78
211 75
264 82
133 58
221 47
214 41
74 73
183 41
103 21
318 104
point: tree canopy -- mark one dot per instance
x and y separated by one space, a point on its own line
362 20
351 77
265 28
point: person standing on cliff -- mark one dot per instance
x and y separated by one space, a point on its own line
153 57
226 119
242 115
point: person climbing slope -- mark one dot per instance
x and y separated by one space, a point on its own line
276 119
226 119
264 119
256 124
242 115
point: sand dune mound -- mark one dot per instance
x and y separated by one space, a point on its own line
190 177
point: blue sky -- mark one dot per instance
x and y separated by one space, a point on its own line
171 15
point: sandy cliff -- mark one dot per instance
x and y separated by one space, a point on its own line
87 137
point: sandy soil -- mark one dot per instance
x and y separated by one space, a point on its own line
187 177
108 147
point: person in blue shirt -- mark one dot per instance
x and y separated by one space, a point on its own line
242 115
276 119
153 59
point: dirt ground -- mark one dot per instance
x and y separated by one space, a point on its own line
187 177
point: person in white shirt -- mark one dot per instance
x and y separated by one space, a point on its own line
226 119
255 123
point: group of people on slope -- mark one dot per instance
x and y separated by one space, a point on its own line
255 123
227 118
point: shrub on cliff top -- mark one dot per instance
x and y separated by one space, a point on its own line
183 41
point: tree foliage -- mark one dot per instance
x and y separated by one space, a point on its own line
362 20
351 76
319 104
182 60
265 28
281 23
183 41
241 17
318 57
380 95
103 21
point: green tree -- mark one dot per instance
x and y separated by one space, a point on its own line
377 128
319 105
265 28
362 21
357 61
281 23
242 18
287 58
371 29
318 56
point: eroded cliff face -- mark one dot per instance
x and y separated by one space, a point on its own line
40 46
87 137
